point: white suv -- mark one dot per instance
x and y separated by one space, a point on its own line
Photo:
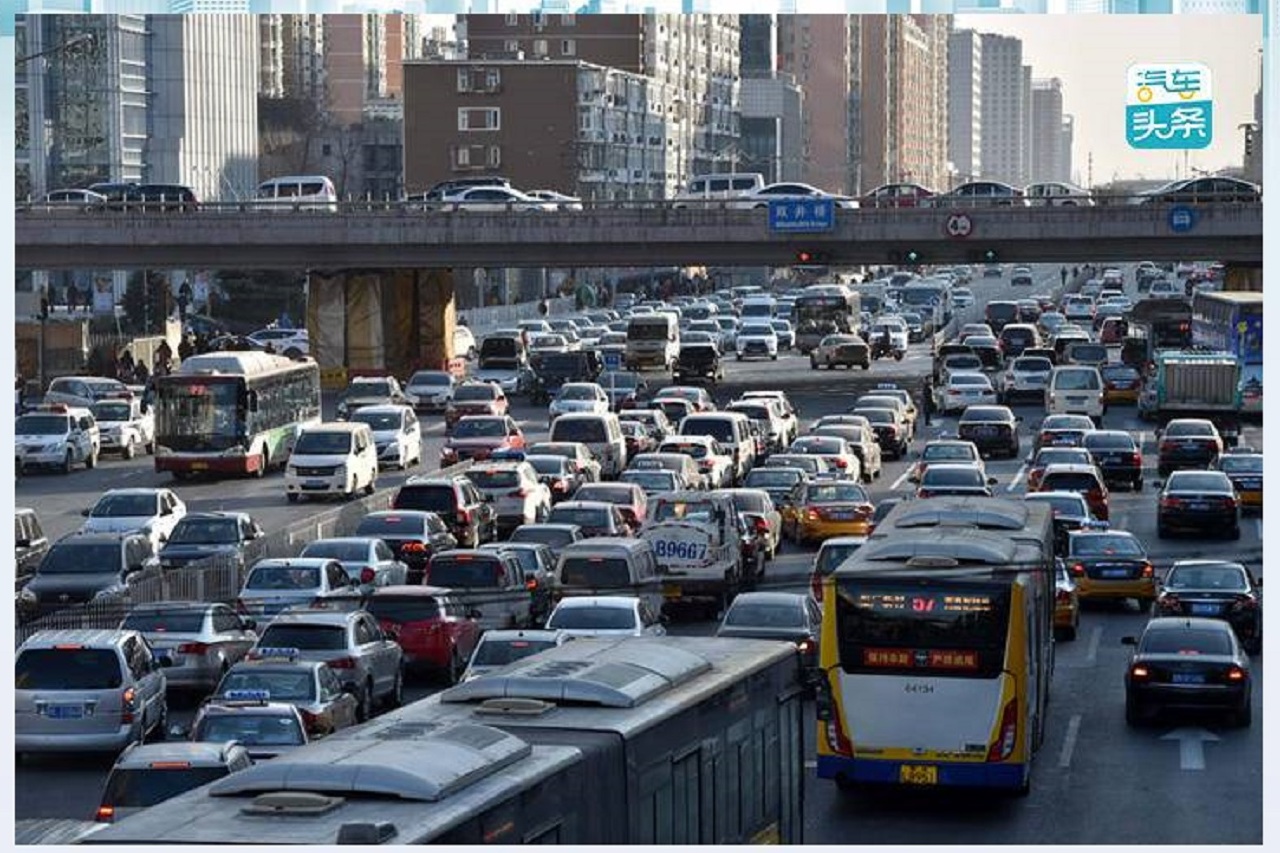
57 436
332 459
518 496
757 338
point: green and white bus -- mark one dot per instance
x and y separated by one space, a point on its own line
233 412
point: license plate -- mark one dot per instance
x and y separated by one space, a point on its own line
1187 678
1204 609
985 432
65 712
1197 505
315 484
918 774
1075 399
840 515
1115 573
670 590
199 466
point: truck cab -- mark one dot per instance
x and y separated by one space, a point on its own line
126 424
696 539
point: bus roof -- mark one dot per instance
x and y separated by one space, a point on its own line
247 363
946 553
1240 297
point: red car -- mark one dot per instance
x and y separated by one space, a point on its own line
433 630
474 398
898 195
480 436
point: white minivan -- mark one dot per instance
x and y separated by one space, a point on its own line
653 340
332 459
704 189
601 433
1075 389
297 192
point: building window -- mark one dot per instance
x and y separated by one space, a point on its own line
568 20
479 118
495 156
540 47
493 79
512 46
513 19
568 47
464 79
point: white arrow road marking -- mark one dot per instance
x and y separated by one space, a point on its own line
1069 744
1191 743
1017 478
1095 637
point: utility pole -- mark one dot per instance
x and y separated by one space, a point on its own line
1090 170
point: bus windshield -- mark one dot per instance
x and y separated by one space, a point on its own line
940 628
197 415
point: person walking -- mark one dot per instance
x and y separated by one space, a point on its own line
928 401
1063 273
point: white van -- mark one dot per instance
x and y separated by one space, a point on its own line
707 188
606 566
1075 389
601 433
653 340
332 459
297 192
759 308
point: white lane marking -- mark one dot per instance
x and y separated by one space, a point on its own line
1069 743
898 482
1091 655
1017 478
1191 743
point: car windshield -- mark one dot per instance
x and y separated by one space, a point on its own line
1114 372
125 506
759 615
1066 422
1109 441
378 421
250 729
1072 506
582 516
283 578
1185 641
480 428
494 479
1192 481
832 556
971 380
1241 464
170 622
323 444
503 652
939 452
435 379
1189 429
205 531
41 425
1070 481
280 685
1063 456
82 558
464 571
285 635
605 492
597 572
691 449
593 618
383 525
719 429
763 478
143 787
346 552
68 669
403 608
474 393
1226 577
986 413
691 510
1106 545
577 392
808 464
369 389
1033 364
111 411
878 416
587 430
835 493
1077 380
548 464
554 537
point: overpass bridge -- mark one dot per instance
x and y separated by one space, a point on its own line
621 234
380 277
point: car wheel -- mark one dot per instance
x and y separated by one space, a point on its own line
67 462
371 486
1134 714
364 710
396 698
262 468
292 497
813 364
1242 717
1067 634
1137 485
1234 532
453 671
866 365
91 461
774 357
128 451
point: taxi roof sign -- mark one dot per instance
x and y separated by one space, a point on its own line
248 695
276 652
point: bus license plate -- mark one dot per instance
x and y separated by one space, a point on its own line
671 590
918 774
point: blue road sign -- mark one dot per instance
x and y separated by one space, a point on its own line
802 216
1181 219
612 360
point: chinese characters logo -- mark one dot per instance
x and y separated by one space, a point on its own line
1169 106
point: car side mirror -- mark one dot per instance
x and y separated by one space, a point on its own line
177 731
1128 641
1017 419
85 512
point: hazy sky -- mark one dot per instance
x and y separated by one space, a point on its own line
1090 54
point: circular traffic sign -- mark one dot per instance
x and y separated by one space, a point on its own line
959 225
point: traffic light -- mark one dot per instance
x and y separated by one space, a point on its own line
984 256
908 257
811 257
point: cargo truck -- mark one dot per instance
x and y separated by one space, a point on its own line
1182 384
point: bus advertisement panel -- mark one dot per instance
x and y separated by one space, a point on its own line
1232 322
233 412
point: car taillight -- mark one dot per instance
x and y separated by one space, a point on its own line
310 721
804 646
1139 673
1078 569
342 663
127 699
193 648
464 516
1229 503
837 741
105 814
762 526
1171 503
1063 597
842 463
367 574
924 493
1245 602
954 392
1235 674
1003 747
412 548
1148 570
1135 459
1167 446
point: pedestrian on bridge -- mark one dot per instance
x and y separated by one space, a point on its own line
927 402
1063 273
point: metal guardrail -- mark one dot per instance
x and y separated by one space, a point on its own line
219 577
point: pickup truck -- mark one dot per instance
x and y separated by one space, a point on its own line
127 426
1194 384
490 584
697 542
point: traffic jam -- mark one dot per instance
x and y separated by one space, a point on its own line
656 468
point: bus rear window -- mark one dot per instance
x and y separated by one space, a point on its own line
939 629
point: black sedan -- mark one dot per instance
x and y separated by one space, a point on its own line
1117 455
776 616
1217 589
992 429
953 479
1187 663
1199 501
412 535
1188 443
1063 431
1070 512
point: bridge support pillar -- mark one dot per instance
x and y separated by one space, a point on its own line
1240 277
381 321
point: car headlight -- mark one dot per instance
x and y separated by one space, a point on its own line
340 470
52 448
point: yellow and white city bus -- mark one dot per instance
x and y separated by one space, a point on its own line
937 648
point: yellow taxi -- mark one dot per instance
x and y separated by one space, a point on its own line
826 508
1110 565
1066 604
1121 383
1243 467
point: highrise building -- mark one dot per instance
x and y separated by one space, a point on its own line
772 104
1024 168
1004 118
355 60
271 60
758 43
903 99
1066 139
1047 162
205 7
816 50
964 104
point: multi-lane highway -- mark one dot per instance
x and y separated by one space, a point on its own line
1095 781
